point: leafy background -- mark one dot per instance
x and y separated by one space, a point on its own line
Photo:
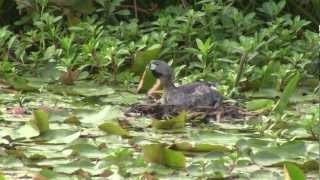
69 69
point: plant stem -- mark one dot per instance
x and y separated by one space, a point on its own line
241 69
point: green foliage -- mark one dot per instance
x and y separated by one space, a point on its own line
287 93
293 172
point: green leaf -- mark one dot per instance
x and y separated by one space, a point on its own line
259 104
147 81
41 120
2 176
142 58
27 131
287 93
49 174
86 89
293 172
266 158
158 153
20 83
173 123
185 146
113 128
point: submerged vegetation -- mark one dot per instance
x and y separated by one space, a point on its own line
69 70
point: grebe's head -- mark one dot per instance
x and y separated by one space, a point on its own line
161 70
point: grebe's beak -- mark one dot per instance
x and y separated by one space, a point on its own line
152 66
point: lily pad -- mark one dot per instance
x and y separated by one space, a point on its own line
158 153
86 89
185 146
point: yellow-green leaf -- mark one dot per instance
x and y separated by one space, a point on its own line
287 93
293 172
142 58
113 128
158 153
41 120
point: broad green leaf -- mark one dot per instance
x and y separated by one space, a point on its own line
2 176
265 174
259 104
287 93
41 120
113 128
58 136
147 81
87 89
142 58
158 153
28 131
269 80
293 172
87 150
20 83
49 174
97 118
173 123
83 164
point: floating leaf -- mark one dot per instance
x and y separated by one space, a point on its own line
185 146
267 158
27 131
173 123
47 173
87 150
293 172
158 153
82 89
20 83
113 128
287 93
106 113
72 120
41 120
264 174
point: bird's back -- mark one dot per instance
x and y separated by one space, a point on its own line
192 95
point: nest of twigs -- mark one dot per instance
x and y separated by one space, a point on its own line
159 111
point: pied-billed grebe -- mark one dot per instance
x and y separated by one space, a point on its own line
190 95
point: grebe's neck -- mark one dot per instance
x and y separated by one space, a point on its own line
167 83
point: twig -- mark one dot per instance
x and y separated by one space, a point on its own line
138 9
135 9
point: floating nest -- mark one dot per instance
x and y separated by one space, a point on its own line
159 111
